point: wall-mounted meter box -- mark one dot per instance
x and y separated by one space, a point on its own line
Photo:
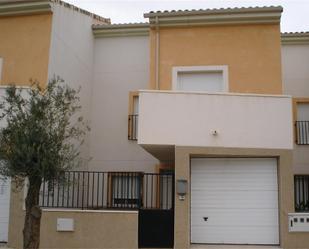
298 222
181 186
65 225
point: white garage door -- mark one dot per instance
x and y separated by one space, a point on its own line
4 209
234 201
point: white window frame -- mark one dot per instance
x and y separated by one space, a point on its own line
200 69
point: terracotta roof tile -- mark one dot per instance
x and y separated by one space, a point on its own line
211 11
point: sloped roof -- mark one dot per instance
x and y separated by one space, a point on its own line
213 11
295 37
28 7
248 15
121 29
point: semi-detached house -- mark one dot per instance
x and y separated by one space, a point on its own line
199 126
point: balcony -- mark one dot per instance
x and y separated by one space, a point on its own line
302 132
169 118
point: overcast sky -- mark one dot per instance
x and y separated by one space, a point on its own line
295 15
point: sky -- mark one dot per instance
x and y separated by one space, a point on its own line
295 15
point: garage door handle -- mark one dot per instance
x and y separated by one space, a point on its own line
205 218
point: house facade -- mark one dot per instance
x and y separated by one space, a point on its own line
199 126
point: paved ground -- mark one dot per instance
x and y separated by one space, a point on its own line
203 246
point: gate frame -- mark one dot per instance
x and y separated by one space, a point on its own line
162 241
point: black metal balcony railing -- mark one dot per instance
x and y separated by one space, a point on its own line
132 127
109 190
302 132
301 193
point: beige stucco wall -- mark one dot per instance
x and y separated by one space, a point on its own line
285 179
16 218
92 229
251 52
24 47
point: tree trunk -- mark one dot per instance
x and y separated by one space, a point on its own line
32 224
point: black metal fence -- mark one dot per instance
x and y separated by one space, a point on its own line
302 132
109 190
132 127
301 193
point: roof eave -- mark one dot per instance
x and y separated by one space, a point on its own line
25 8
265 15
116 30
243 10
295 38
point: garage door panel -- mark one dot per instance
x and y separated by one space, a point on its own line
235 217
235 184
206 178
4 208
232 171
240 198
241 235
237 161
236 199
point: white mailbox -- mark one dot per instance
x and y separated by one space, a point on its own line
298 222
65 225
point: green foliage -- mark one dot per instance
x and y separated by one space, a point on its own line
44 131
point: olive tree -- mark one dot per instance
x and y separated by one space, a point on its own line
40 138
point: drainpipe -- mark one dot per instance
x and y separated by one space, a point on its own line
157 54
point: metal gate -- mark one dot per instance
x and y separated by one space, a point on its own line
156 215
152 194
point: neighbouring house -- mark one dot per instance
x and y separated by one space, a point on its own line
199 126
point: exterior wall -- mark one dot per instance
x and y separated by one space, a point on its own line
106 70
189 119
24 47
301 159
92 229
295 61
71 56
285 177
71 49
121 65
16 218
251 52
295 73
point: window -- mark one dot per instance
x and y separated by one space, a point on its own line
302 124
201 78
301 190
126 191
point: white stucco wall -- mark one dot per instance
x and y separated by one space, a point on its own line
189 119
121 64
295 71
71 55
